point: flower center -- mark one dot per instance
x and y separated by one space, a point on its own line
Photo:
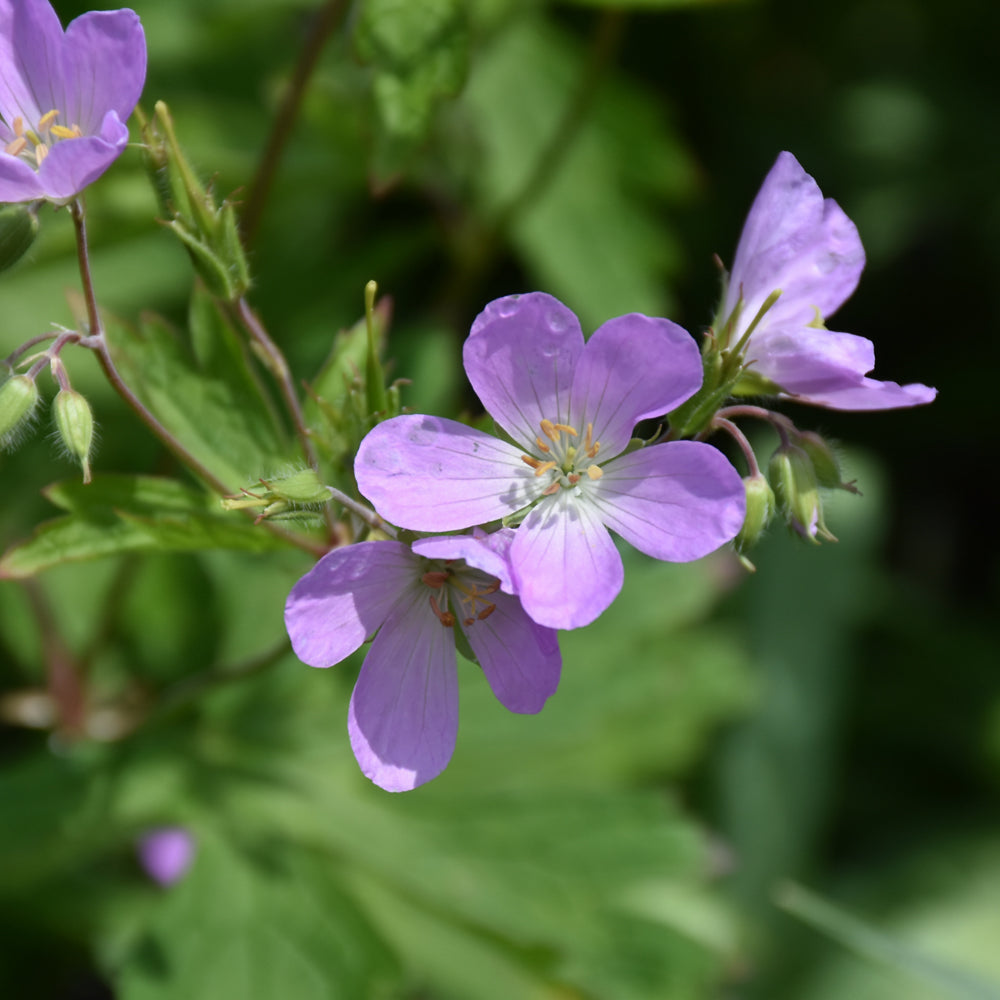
459 593
564 457
33 144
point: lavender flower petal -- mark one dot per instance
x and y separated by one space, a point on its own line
403 716
566 567
431 474
520 658
344 598
796 241
96 42
676 501
64 97
632 368
869 394
520 356
479 550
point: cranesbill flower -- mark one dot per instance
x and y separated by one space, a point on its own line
797 242
403 716
64 97
569 409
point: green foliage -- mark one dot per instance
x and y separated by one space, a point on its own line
118 514
205 392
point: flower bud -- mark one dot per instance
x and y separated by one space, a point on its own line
18 399
760 509
18 229
75 424
286 497
796 491
824 461
166 853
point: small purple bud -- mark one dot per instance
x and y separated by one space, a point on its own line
166 853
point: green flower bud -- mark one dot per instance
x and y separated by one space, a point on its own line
286 497
208 230
796 490
824 461
760 510
75 424
18 229
18 399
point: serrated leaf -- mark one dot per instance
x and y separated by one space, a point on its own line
419 49
257 929
117 514
206 395
592 231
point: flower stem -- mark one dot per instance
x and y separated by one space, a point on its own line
322 27
720 423
778 421
99 341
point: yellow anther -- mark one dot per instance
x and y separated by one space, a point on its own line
549 430
32 137
491 588
47 119
18 126
590 437
566 429
61 132
16 146
41 151
594 449
487 611
543 468
550 489
542 446
468 621
595 471
529 460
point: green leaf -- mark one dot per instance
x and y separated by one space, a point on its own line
649 4
419 49
207 395
593 231
117 514
257 928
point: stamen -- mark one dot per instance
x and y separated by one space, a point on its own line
41 151
529 460
595 471
550 489
590 446
61 132
543 468
542 446
594 449
18 126
446 618
16 145
468 621
435 579
490 588
47 119
549 430
566 429
574 478
487 611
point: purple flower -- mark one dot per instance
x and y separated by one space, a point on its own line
166 853
64 97
403 717
570 409
797 241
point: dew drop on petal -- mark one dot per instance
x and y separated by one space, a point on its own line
557 322
508 306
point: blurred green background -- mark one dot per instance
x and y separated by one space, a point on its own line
832 720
